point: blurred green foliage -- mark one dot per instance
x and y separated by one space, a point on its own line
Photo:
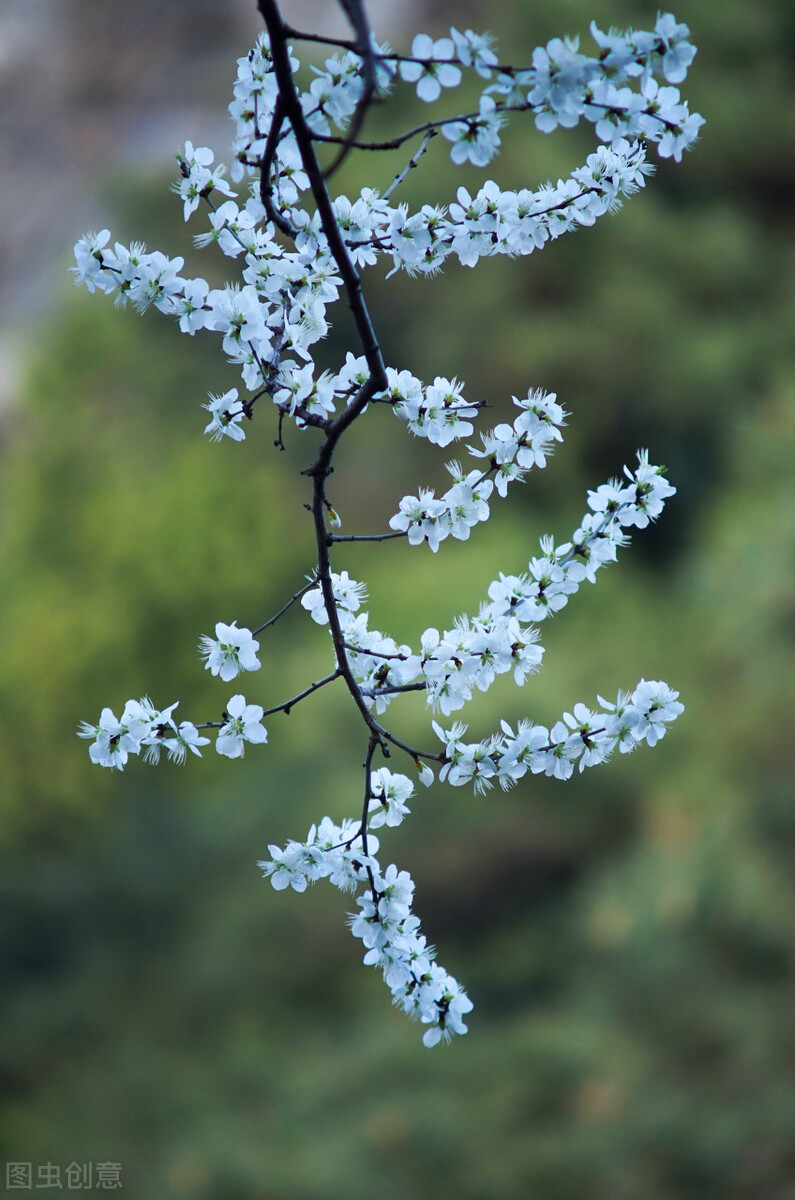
627 937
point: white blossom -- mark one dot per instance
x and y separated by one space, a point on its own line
187 737
227 412
435 71
348 596
231 651
389 793
197 179
242 724
476 139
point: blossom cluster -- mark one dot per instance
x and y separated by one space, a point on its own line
494 221
140 727
143 727
511 451
560 76
558 571
437 412
198 181
269 322
584 736
502 637
561 86
379 665
345 854
297 249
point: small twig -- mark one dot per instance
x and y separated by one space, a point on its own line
411 750
297 36
426 127
313 687
279 440
364 48
301 592
366 537
393 688
265 166
303 414
432 133
374 653
374 741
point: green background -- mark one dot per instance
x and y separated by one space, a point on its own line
627 937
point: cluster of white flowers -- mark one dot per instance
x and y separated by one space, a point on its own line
198 181
424 518
472 655
437 412
337 89
558 572
562 86
502 637
584 736
511 450
140 727
345 854
298 249
494 221
270 322
143 727
378 664
348 598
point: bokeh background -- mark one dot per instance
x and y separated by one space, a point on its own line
627 937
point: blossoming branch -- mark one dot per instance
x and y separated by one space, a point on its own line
300 249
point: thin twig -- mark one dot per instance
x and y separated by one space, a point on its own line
265 166
301 592
366 537
374 653
415 754
432 133
364 48
313 687
297 36
368 795
394 688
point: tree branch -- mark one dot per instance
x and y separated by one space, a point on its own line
301 592
364 48
313 687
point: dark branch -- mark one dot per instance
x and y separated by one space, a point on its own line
265 166
313 687
364 48
366 537
301 592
